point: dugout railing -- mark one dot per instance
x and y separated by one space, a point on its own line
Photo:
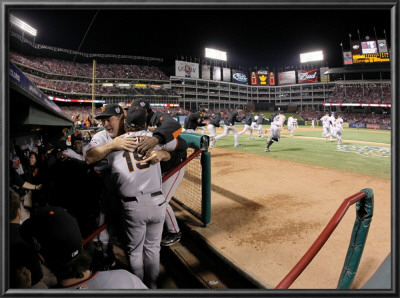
364 201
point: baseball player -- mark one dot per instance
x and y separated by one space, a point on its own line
248 120
332 121
325 125
338 129
214 122
194 120
163 128
290 125
295 123
230 126
276 127
312 123
140 187
260 122
78 150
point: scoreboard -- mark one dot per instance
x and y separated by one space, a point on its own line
371 58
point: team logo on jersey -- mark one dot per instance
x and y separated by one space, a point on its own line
367 151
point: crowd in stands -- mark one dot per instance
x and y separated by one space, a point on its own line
370 93
63 67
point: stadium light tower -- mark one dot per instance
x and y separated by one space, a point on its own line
22 25
311 57
215 54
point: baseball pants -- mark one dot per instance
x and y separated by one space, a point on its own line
227 129
246 128
144 220
169 187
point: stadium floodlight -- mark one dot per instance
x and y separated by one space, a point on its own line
24 26
311 56
215 54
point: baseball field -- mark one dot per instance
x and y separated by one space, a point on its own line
269 208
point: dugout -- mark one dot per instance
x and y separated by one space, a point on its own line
30 112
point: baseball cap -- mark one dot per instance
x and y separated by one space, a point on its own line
141 103
54 233
136 116
77 136
111 110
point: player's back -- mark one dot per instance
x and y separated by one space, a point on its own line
133 176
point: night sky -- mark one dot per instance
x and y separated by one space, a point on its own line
251 37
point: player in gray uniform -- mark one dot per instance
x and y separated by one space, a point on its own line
276 127
139 183
248 120
230 126
260 122
55 234
214 122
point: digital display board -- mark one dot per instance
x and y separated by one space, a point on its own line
287 77
369 47
371 58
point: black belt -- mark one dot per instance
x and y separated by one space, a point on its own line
130 199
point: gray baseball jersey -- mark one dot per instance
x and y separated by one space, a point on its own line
113 279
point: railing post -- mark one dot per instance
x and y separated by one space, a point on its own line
364 212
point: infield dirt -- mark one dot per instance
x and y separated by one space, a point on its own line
266 213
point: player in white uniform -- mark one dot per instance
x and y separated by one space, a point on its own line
140 185
332 121
290 125
276 127
295 123
325 126
338 129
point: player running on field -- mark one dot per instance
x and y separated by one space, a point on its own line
248 120
332 121
325 125
230 126
338 129
214 122
290 125
194 120
276 127
260 122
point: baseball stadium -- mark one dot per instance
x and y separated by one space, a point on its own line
289 188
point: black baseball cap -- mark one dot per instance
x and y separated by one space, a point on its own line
141 103
111 110
76 137
136 116
54 233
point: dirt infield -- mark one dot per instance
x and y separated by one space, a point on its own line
266 213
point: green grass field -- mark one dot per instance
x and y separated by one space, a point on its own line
363 151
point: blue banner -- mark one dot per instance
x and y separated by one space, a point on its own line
22 81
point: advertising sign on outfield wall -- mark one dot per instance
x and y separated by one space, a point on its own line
216 73
226 74
287 78
239 77
206 72
324 78
308 76
187 69
260 77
